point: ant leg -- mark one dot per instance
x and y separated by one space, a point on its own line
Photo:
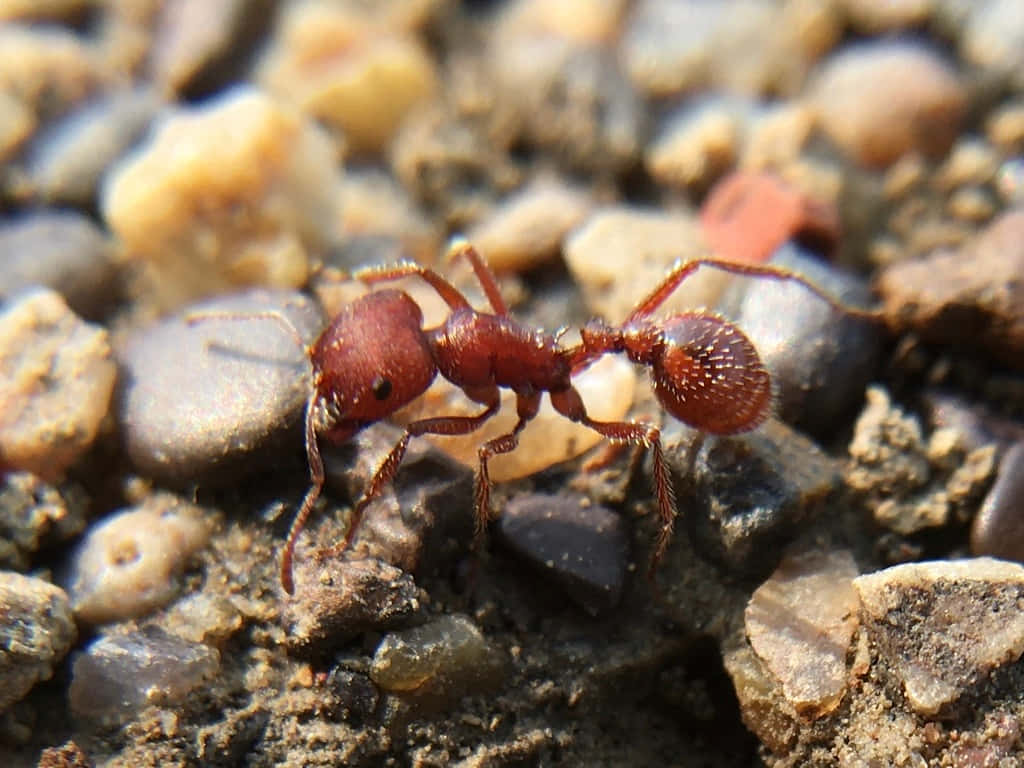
526 407
462 247
681 271
452 296
316 472
568 403
444 425
194 318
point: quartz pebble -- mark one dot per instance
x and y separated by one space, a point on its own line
118 676
56 380
619 254
941 627
819 358
209 399
239 153
972 296
753 492
33 515
583 547
336 600
61 250
127 565
36 631
67 160
748 216
347 69
800 622
439 662
998 528
528 228
606 387
879 100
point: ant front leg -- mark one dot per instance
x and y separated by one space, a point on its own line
443 425
462 247
526 407
568 403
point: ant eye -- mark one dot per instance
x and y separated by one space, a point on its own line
381 388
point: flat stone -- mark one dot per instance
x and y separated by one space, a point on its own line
210 399
941 627
36 631
800 623
582 547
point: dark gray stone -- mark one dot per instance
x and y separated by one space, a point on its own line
998 528
213 399
584 547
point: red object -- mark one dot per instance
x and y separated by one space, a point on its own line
747 216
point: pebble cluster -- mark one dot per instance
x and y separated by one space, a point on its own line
185 188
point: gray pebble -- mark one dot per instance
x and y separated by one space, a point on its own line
820 359
68 159
753 492
585 548
36 630
208 400
998 528
118 676
62 250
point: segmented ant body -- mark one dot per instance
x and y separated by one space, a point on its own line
375 357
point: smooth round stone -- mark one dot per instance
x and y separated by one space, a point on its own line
207 400
998 528
820 359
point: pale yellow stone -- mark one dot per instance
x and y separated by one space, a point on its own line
697 151
235 192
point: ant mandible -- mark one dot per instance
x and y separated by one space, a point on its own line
375 357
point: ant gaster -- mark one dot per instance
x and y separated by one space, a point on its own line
375 357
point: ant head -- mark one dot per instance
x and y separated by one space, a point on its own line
372 359
708 374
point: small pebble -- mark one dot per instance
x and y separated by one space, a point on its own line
61 250
607 388
346 69
698 143
876 16
1005 127
209 399
17 122
190 35
34 515
583 547
36 631
881 99
336 599
748 216
941 627
528 228
127 565
439 662
264 178
820 359
753 492
994 39
649 242
800 622
998 528
1010 181
973 296
764 710
970 162
118 676
204 618
56 380
379 216
67 160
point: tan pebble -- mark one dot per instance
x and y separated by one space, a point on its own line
1005 127
48 68
903 176
619 254
234 192
696 149
607 389
528 228
127 565
583 21
189 34
56 381
16 124
344 68
970 162
880 100
800 622
874 16
373 203
777 136
972 204
13 10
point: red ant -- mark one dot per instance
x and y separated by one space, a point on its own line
375 357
